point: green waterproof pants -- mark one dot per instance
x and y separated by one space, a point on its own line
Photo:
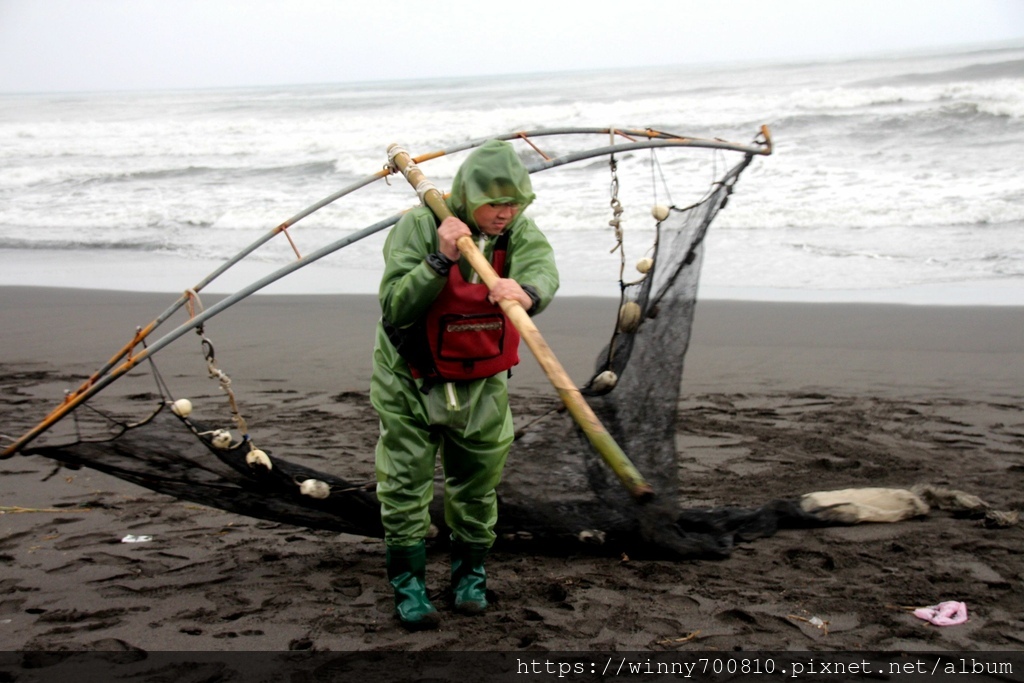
469 424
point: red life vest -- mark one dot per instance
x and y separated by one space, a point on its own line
466 335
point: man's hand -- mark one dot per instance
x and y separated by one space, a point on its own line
449 232
506 288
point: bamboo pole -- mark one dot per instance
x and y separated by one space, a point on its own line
556 374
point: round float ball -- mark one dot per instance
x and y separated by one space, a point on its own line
660 212
182 407
221 439
629 316
258 457
645 264
314 488
605 381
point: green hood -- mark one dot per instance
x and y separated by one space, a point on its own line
491 174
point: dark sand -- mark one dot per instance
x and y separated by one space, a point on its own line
778 400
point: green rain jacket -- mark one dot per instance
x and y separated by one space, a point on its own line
492 174
469 422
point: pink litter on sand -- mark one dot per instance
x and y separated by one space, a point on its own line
949 613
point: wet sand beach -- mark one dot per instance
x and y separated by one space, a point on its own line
778 400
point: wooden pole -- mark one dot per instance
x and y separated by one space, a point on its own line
559 378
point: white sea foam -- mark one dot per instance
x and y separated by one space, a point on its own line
889 174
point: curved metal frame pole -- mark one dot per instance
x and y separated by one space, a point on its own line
668 139
111 370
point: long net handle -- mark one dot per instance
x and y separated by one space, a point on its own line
574 402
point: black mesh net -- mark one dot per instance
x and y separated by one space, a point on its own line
556 491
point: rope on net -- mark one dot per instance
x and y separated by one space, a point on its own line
221 438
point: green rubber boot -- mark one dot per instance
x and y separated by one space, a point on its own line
469 580
407 566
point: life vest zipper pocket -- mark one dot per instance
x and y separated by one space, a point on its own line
471 338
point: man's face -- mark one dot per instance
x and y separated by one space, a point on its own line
492 219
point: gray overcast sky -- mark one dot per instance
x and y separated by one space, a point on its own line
82 45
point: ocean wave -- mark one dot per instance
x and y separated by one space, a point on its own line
829 105
85 175
877 175
87 244
1009 69
184 172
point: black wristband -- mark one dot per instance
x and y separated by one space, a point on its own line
534 297
440 263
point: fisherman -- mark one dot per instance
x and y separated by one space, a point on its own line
441 362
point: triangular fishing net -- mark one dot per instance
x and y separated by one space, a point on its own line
556 491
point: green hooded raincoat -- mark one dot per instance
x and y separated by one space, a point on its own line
468 422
